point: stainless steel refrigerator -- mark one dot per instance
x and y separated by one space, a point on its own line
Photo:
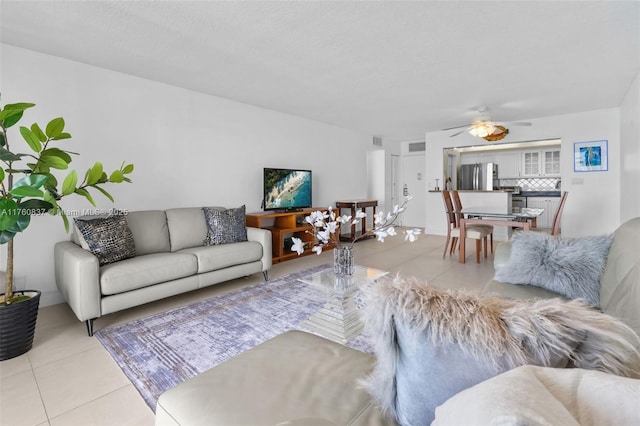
478 177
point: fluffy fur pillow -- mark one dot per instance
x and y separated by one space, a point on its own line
432 343
568 266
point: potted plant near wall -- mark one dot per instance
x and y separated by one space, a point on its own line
29 187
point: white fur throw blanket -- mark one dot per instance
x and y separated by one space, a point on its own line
507 333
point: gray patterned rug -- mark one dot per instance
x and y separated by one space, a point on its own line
160 351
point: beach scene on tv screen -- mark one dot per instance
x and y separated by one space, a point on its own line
287 189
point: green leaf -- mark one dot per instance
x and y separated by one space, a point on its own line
85 194
34 181
26 191
38 132
23 222
94 174
6 236
55 127
104 192
127 169
12 119
55 162
8 213
31 139
116 177
3 140
36 206
7 156
62 136
56 152
1 174
70 182
65 220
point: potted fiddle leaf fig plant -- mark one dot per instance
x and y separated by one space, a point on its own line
29 187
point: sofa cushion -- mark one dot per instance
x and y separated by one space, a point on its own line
432 343
569 266
531 395
619 286
187 227
143 271
225 226
292 377
108 238
211 258
150 231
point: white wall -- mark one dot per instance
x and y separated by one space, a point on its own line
593 204
189 149
630 152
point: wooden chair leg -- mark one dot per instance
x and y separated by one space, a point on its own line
454 243
478 249
491 237
485 246
446 246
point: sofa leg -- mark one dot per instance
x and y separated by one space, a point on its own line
89 323
266 275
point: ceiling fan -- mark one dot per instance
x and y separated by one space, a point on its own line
485 128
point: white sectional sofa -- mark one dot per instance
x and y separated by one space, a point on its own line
170 258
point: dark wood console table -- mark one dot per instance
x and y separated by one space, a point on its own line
355 205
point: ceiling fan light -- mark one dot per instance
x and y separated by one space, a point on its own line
482 129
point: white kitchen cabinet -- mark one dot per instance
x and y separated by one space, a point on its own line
549 204
541 163
508 164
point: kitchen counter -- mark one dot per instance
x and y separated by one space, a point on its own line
540 194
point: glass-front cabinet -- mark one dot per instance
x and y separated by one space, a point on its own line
542 163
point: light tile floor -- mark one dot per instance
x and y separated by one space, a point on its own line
68 378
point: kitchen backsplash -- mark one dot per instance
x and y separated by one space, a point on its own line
532 184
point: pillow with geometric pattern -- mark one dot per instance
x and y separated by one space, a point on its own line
108 238
225 226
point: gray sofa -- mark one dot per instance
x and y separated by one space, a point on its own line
301 379
170 258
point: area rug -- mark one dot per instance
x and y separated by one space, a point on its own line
160 351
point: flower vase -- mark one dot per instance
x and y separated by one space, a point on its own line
343 260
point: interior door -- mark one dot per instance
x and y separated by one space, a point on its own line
414 184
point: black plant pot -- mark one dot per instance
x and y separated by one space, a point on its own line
18 325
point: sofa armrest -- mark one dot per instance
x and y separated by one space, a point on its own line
78 279
262 236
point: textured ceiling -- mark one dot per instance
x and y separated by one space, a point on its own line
394 69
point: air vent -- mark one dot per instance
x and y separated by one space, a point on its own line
377 141
417 147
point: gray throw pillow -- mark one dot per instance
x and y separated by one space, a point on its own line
108 238
571 267
225 226
432 343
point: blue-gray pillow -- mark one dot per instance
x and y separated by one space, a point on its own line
571 267
432 343
108 238
225 226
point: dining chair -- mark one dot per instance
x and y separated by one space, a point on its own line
555 228
453 230
457 203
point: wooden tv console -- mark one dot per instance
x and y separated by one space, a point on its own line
284 225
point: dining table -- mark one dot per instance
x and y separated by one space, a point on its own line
524 218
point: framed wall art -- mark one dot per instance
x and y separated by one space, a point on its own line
590 156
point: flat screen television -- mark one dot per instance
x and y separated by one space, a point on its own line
286 189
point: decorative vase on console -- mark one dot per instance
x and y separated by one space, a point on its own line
326 231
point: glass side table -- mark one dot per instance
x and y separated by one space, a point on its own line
338 319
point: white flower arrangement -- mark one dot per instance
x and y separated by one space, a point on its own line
326 224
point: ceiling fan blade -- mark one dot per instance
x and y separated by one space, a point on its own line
514 123
456 127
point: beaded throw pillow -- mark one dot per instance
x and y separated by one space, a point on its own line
108 238
225 226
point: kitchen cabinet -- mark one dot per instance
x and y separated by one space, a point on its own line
541 163
549 204
508 164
